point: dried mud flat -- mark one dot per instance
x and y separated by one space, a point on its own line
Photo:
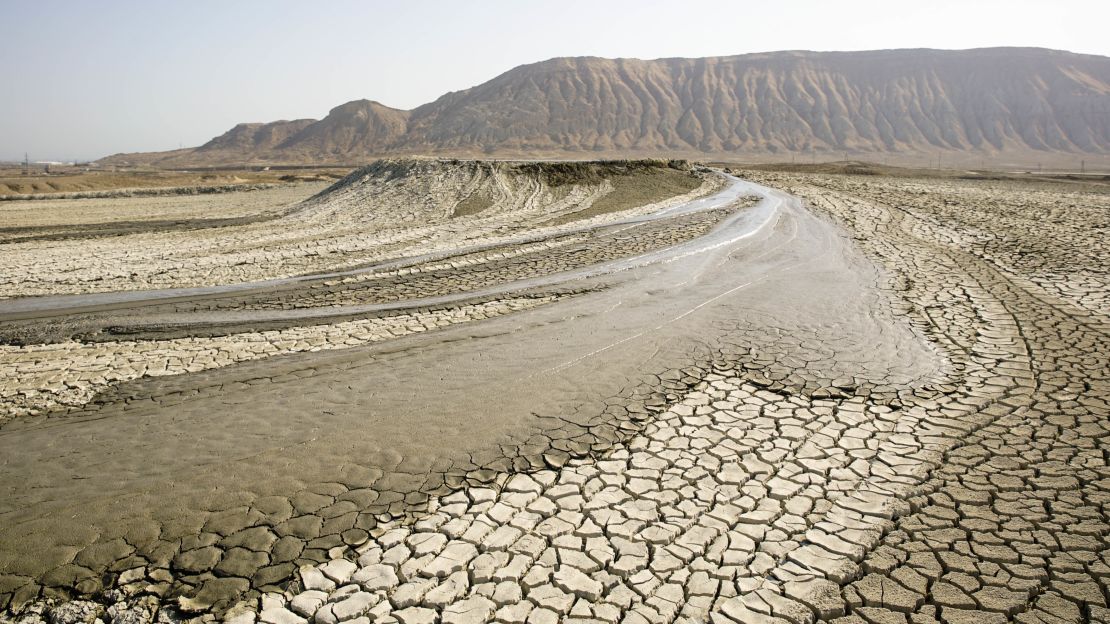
860 399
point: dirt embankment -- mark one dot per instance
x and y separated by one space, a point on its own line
85 183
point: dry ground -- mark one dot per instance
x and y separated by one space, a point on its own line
770 464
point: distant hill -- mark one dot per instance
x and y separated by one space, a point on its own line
1010 102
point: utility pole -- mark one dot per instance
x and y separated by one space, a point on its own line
26 164
1082 166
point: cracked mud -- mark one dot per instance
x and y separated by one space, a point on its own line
885 404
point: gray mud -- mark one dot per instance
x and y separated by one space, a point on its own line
304 454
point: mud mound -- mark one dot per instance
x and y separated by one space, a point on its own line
387 210
431 190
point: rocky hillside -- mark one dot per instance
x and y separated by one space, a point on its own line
255 138
995 101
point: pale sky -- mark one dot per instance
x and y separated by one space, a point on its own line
87 79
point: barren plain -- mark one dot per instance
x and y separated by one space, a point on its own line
471 391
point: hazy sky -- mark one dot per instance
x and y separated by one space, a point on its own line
87 79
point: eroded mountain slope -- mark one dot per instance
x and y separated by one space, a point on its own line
1018 103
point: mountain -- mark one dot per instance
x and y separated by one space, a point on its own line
252 140
995 102
352 130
